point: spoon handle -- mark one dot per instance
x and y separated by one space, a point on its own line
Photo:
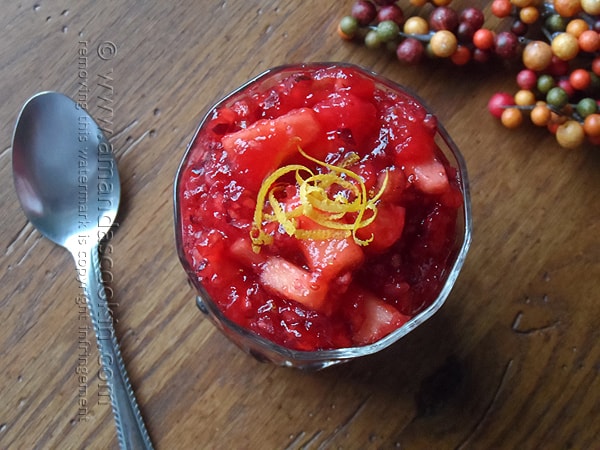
131 430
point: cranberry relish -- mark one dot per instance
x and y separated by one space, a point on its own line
312 278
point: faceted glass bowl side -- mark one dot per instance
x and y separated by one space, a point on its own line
267 351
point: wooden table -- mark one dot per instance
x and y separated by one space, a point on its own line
512 360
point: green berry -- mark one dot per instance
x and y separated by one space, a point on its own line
555 23
594 83
372 39
586 106
557 97
387 30
349 25
545 83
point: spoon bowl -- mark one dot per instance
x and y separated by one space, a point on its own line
68 185
64 171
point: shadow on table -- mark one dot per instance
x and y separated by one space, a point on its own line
439 378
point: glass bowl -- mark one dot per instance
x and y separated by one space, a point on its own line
267 351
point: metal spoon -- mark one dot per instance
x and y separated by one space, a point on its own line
68 185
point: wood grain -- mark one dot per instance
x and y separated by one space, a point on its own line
512 360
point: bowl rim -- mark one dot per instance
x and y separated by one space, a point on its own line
344 353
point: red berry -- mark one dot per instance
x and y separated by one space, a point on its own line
461 56
465 32
596 65
443 18
519 28
506 44
564 84
364 11
483 39
469 21
589 41
527 79
552 127
391 12
558 67
594 140
410 51
580 79
498 102
473 16
501 8
481 56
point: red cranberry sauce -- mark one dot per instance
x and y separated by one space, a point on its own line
334 292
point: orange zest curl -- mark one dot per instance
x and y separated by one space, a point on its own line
339 216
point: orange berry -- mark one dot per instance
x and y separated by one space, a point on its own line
441 2
567 8
511 117
537 55
576 27
540 115
443 43
592 7
416 25
529 15
567 110
343 35
565 46
570 134
589 41
591 125
557 118
524 97
522 3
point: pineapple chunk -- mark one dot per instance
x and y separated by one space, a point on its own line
292 282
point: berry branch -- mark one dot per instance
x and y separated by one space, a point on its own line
556 41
